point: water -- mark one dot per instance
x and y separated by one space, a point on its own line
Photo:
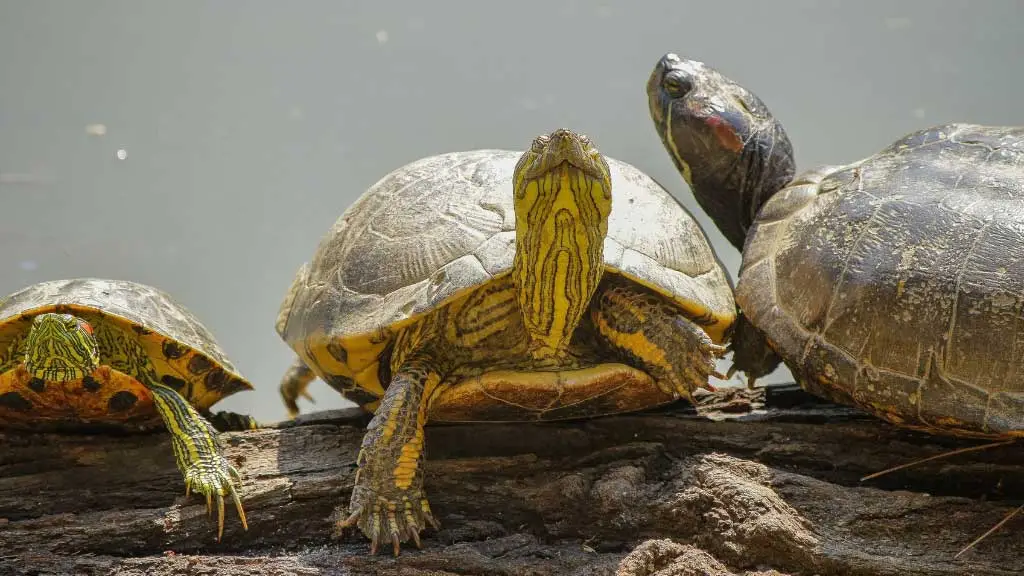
233 138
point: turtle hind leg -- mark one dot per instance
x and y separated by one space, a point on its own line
293 385
654 335
387 502
198 453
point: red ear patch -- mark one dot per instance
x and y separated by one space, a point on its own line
87 327
727 137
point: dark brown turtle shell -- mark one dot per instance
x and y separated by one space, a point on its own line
896 283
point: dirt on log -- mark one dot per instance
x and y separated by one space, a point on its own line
749 482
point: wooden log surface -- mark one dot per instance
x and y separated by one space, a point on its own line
749 482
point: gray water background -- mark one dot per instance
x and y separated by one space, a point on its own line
248 127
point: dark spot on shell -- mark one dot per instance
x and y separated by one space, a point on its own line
37 385
15 401
141 331
122 401
340 383
360 396
338 352
90 384
199 364
173 382
234 385
172 350
216 380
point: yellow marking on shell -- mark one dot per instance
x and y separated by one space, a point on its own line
369 380
561 223
360 362
408 461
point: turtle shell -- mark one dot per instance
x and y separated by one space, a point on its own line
183 353
438 227
896 283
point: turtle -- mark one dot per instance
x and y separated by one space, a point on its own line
95 354
892 284
495 285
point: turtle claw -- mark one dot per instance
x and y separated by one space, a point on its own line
382 519
217 478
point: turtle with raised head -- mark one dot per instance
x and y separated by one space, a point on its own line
499 286
95 353
894 283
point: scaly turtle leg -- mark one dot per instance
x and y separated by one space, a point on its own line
198 453
657 337
387 500
294 384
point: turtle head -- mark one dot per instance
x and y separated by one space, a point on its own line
729 148
61 347
562 190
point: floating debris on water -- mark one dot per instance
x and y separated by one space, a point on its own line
96 129
122 154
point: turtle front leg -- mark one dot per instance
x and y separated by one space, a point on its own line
198 453
656 336
387 500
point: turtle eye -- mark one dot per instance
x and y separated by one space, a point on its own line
677 86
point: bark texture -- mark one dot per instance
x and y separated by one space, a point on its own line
748 483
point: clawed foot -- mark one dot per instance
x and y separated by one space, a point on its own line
398 516
215 476
700 366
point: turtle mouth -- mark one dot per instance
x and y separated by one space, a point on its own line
690 102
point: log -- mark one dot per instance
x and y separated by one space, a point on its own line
748 482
